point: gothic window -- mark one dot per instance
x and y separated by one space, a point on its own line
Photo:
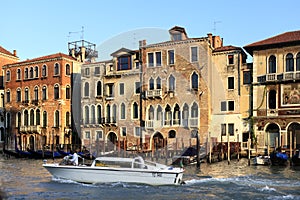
86 115
171 83
195 81
56 120
123 111
151 84
99 88
135 111
38 117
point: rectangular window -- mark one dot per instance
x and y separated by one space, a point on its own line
194 54
230 83
123 131
231 129
87 134
137 131
230 105
230 59
137 88
158 58
247 77
97 71
223 106
99 135
150 60
223 129
171 57
87 71
124 63
121 88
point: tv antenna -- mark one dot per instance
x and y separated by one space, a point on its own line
215 26
76 32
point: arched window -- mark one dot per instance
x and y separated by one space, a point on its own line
7 75
19 74
68 124
56 69
86 115
114 113
176 115
151 84
158 83
99 115
31 118
19 95
19 119
298 62
45 119
26 123
44 93
289 62
26 73
56 91
7 96
159 114
272 99
108 114
36 71
123 111
171 83
272 64
36 93
168 115
99 88
8 120
93 115
44 71
135 111
38 117
185 115
194 110
86 89
68 92
151 113
56 118
31 72
26 96
194 81
68 70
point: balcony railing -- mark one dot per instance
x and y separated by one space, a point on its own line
285 76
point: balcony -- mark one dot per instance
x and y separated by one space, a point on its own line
154 93
275 77
193 123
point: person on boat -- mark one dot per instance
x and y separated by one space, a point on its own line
74 159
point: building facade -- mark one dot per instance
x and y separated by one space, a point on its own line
38 96
6 57
276 80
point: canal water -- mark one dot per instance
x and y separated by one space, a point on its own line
27 179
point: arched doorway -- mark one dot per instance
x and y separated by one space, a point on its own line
273 133
112 141
158 141
294 131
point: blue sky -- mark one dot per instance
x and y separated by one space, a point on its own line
37 28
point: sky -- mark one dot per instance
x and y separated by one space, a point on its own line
41 27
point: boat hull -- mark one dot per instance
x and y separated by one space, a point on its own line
87 174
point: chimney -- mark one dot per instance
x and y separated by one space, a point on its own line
209 35
142 43
15 53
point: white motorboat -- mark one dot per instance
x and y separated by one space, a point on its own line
115 169
261 160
